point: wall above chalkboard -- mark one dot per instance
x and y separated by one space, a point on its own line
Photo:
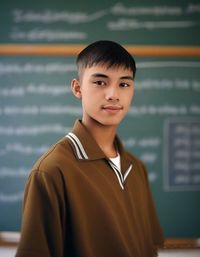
129 22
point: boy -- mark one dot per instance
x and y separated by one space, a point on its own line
87 196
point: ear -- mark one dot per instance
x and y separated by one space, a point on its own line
76 89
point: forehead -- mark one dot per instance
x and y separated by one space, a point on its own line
116 71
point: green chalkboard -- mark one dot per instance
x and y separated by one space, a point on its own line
137 22
162 128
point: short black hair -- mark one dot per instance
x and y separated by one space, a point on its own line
105 52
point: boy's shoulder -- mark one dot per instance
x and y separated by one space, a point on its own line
54 157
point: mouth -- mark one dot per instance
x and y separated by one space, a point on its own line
112 108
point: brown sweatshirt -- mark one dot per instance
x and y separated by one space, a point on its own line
78 204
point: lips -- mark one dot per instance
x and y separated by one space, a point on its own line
112 108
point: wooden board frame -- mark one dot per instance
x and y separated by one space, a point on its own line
70 50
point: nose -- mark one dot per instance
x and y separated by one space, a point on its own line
112 94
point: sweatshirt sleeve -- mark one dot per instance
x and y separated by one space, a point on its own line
44 215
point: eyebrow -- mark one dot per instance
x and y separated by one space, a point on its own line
101 75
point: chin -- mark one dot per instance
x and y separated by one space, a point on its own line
110 122
106 121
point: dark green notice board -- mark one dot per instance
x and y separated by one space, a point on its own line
162 128
157 22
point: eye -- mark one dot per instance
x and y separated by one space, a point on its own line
123 84
100 83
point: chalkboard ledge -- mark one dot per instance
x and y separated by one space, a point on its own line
182 243
12 239
8 238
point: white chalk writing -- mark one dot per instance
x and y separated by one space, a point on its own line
183 154
43 110
143 142
11 198
34 130
14 172
30 89
48 35
121 9
27 68
131 24
23 149
50 16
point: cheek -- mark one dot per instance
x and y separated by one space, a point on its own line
91 95
129 98
89 99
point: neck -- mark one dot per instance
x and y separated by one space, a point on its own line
104 136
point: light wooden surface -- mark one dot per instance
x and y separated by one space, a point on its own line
61 49
174 247
11 239
10 252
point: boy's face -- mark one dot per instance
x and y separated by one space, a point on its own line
106 94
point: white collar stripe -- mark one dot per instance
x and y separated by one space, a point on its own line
114 165
117 170
118 174
128 171
81 154
76 147
79 144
